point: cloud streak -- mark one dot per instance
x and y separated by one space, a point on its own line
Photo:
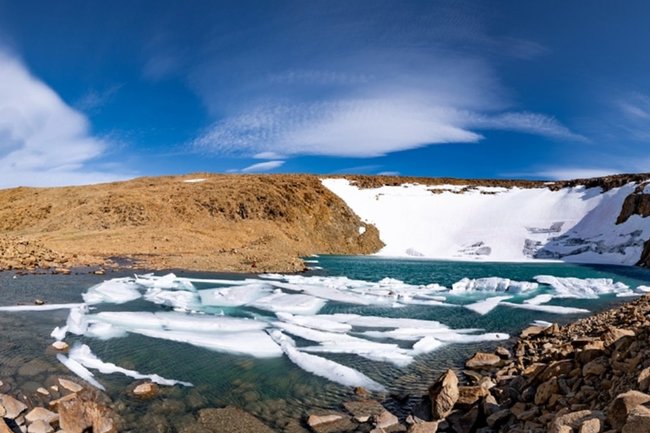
43 141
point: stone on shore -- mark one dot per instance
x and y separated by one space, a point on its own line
12 407
622 405
444 394
638 420
482 360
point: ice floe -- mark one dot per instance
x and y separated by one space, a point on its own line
492 284
44 307
324 367
587 288
82 355
553 309
116 291
485 306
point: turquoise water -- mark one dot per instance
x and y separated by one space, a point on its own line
275 389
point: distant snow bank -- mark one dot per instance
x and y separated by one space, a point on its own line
575 224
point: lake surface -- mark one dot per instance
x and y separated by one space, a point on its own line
275 388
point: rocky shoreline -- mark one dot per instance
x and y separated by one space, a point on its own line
590 376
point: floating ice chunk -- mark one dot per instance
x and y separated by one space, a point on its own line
487 305
234 296
59 333
253 343
444 335
169 281
174 321
588 288
44 307
324 292
554 309
384 322
315 322
396 356
80 371
426 345
177 299
104 331
295 304
116 291
644 289
324 367
84 356
539 299
492 284
542 323
628 294
76 322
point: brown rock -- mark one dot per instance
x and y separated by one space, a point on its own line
362 411
469 395
612 335
597 367
146 390
4 428
463 421
546 390
503 352
593 425
622 405
644 379
385 420
444 394
573 420
422 427
39 413
70 385
39 426
12 407
638 420
82 413
482 360
556 368
316 420
231 420
61 346
498 418
532 330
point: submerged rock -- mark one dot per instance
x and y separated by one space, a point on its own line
146 390
231 420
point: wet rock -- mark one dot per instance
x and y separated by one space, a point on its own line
363 410
623 405
146 390
385 420
482 360
638 420
444 394
12 407
87 411
70 385
33 368
231 420
61 346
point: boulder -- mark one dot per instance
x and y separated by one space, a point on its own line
597 367
61 346
39 413
85 411
422 427
12 407
572 420
469 395
498 418
444 394
546 390
593 425
612 335
40 426
70 385
638 420
482 360
146 390
556 368
644 379
622 405
316 420
385 420
503 352
4 428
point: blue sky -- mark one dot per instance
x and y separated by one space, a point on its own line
96 91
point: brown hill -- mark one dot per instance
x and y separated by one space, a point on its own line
226 223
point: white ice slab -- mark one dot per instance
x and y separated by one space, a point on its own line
485 306
588 288
115 291
44 307
234 296
285 303
553 309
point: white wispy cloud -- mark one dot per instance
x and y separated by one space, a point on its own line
43 141
262 167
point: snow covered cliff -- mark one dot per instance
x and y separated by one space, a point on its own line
575 223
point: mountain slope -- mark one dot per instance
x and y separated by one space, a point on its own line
202 222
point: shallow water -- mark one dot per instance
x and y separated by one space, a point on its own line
274 389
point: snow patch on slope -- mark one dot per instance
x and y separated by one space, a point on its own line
499 224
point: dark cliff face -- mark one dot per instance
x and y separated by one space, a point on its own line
637 203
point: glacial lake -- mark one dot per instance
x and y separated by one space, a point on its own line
327 323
